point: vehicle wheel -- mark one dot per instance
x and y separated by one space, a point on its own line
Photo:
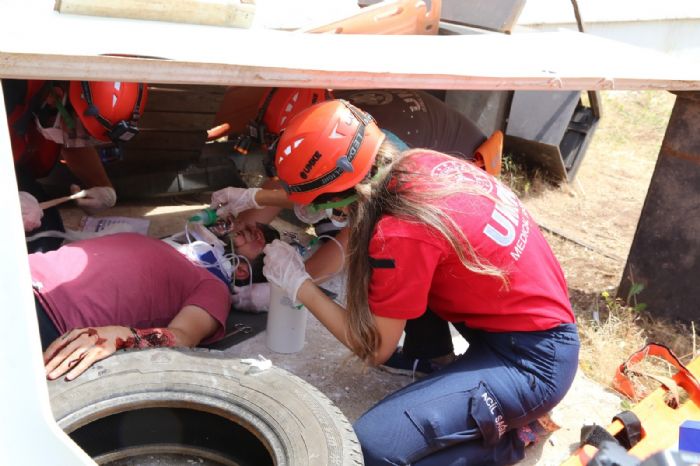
202 407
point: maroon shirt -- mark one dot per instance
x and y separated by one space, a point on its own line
124 279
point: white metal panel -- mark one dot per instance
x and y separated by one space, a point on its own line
679 38
28 433
558 11
69 47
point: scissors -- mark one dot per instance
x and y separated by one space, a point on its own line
239 328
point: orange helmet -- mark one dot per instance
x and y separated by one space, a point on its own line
280 105
108 110
277 108
327 148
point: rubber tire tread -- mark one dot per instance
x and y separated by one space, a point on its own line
303 425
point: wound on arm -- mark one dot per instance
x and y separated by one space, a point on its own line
147 338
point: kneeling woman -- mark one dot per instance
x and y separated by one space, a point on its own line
431 235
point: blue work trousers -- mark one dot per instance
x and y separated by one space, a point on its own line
468 412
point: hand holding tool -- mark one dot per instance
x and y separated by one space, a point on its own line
96 199
60 200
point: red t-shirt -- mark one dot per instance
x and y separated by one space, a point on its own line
124 279
427 273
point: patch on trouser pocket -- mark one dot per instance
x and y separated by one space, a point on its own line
473 415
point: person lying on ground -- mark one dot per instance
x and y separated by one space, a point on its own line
121 291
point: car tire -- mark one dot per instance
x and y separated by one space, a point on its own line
204 405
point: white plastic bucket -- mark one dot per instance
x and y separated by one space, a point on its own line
286 324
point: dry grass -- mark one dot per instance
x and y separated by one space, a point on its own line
590 225
607 340
522 180
611 331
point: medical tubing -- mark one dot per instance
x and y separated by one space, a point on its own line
342 260
232 257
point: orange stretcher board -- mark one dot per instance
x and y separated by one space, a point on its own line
387 17
660 424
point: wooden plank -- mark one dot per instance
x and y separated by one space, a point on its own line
387 17
154 157
181 100
494 15
239 106
202 88
210 55
230 13
168 140
176 121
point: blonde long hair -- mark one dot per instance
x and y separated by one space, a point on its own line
389 191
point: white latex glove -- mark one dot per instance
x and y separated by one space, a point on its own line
284 267
233 201
97 198
251 298
31 212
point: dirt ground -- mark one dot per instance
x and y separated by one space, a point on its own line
590 224
598 211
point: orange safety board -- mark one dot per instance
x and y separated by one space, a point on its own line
660 423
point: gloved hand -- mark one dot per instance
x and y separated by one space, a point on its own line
284 267
233 201
97 198
251 298
31 212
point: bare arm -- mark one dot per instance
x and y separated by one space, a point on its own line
86 165
334 318
192 325
328 259
75 351
272 198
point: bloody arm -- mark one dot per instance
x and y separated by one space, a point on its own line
75 351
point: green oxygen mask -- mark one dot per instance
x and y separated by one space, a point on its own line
206 217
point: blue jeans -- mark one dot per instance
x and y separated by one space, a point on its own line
468 412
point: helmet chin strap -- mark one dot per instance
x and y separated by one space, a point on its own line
333 204
314 207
